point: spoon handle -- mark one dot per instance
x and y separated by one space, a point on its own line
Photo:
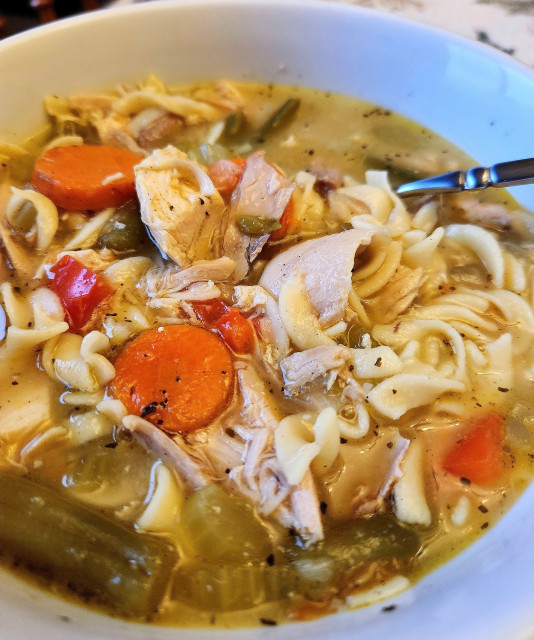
503 174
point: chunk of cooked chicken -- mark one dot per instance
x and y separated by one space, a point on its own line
396 296
113 131
260 476
224 95
168 280
273 338
193 471
304 367
180 206
261 192
326 264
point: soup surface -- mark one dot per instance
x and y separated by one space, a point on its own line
242 382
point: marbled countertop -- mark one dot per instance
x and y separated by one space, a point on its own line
507 25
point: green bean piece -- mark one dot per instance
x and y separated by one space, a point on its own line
234 125
94 555
280 118
354 542
256 225
222 528
124 230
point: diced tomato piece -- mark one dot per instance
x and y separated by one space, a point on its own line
286 222
210 311
226 174
80 290
236 331
479 455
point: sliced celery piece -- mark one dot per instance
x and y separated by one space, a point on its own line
223 528
94 555
232 588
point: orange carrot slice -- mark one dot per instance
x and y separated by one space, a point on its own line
479 456
179 377
86 177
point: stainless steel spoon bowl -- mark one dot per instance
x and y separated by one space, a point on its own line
503 174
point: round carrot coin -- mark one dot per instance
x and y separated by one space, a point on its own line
180 377
86 177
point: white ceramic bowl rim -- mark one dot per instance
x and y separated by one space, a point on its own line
463 90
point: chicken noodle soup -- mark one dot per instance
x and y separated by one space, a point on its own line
242 382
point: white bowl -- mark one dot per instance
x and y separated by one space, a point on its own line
476 97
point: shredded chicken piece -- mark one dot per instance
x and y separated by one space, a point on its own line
326 264
273 336
396 296
192 470
262 192
485 214
170 279
113 131
305 367
353 392
96 260
223 94
328 178
260 476
179 204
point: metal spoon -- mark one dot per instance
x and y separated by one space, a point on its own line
504 174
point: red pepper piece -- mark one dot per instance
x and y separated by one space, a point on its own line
80 290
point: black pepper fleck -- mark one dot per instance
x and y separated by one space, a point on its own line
268 622
148 409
